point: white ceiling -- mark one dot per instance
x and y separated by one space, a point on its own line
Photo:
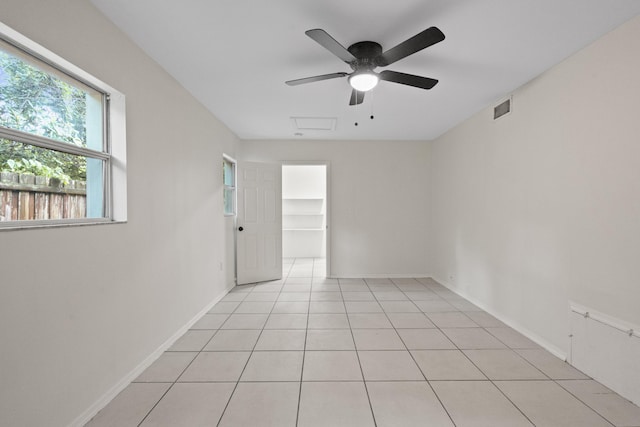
235 55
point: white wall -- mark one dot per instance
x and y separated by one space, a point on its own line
304 181
379 201
81 307
543 205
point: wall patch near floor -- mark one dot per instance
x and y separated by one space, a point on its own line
607 349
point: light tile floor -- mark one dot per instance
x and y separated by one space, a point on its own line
310 351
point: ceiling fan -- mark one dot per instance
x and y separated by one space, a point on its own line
363 57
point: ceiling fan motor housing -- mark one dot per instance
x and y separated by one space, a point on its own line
366 54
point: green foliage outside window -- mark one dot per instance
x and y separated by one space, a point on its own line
34 101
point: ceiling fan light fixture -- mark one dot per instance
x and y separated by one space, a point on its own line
363 81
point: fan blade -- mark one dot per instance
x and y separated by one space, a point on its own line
407 79
356 97
315 79
427 38
329 43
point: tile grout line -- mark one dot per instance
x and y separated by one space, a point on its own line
364 381
482 372
548 378
582 401
304 348
457 310
250 354
411 354
156 404
378 289
186 367
173 383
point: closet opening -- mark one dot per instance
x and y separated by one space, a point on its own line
305 218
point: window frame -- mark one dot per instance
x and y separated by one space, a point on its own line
113 154
233 188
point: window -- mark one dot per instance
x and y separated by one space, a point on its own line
229 182
62 141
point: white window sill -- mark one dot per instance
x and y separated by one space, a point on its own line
29 225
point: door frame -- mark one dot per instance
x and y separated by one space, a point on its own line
327 234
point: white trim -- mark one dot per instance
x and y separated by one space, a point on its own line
54 223
118 145
551 348
228 157
379 276
106 398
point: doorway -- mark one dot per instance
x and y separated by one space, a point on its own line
305 222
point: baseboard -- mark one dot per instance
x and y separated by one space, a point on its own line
104 400
551 348
379 276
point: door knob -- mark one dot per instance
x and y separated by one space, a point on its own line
240 228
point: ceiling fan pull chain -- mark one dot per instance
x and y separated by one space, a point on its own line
373 98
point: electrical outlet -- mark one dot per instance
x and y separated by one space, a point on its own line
221 266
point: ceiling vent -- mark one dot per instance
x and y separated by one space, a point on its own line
502 109
314 123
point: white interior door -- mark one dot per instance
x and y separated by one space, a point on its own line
259 227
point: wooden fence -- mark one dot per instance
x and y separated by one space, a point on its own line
26 197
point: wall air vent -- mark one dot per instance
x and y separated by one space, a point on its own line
502 109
